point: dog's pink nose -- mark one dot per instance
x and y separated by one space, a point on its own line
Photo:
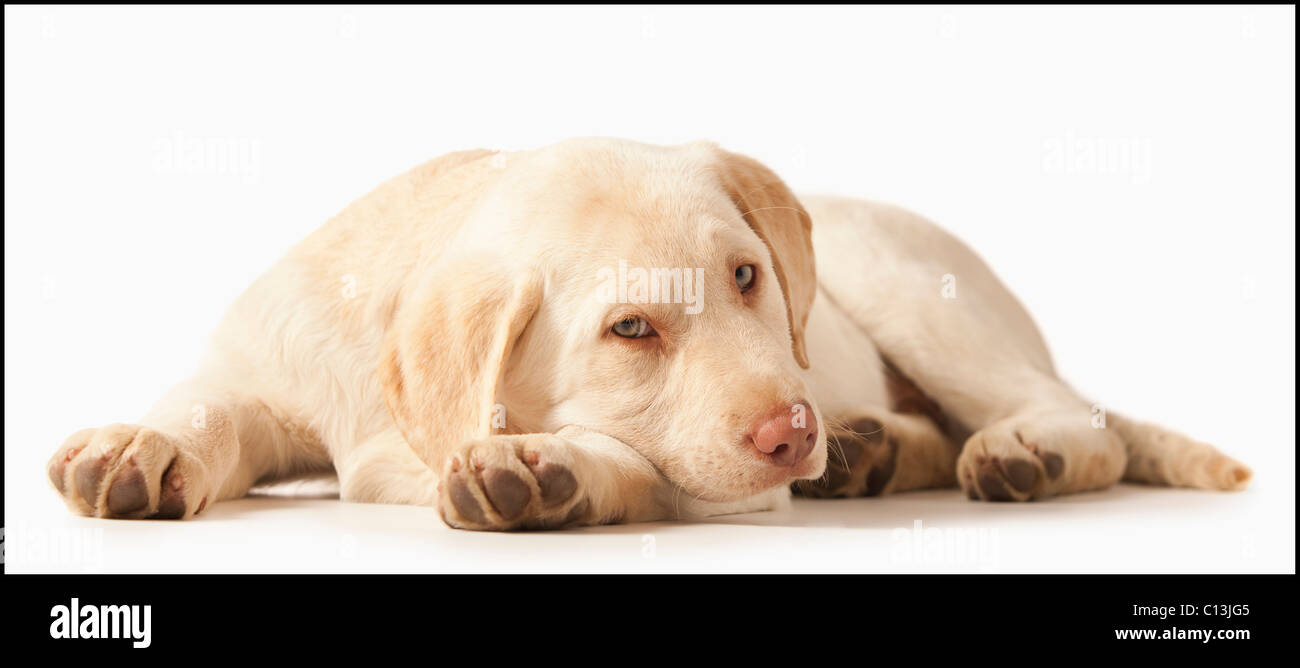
786 436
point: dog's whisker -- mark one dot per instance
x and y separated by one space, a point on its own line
838 450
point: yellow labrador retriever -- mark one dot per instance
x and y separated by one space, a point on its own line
604 331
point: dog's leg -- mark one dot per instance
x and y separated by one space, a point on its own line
508 481
884 435
537 481
883 452
1034 454
1032 435
574 477
1159 456
384 469
198 445
936 311
948 324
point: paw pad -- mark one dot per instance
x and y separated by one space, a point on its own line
463 499
502 485
556 482
87 477
1004 479
507 492
1053 463
129 491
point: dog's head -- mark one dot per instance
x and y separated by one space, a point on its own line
655 294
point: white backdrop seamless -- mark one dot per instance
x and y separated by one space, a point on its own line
1129 172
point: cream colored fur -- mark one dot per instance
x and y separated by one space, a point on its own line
447 320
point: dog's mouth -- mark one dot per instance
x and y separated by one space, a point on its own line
770 475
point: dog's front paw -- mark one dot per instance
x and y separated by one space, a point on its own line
526 481
128 471
860 461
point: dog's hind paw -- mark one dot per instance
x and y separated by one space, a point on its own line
860 461
1037 456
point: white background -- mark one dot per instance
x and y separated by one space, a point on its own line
1128 172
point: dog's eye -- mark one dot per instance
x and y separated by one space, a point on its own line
744 276
633 327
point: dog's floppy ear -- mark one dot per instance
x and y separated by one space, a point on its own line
448 345
785 227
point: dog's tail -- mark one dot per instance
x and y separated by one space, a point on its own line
1158 456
